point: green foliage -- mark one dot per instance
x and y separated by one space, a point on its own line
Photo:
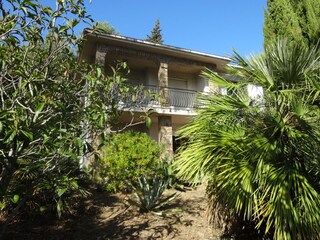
262 155
106 96
56 193
105 27
125 158
168 172
149 192
50 104
41 100
156 36
296 20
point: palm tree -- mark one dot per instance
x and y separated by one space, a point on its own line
262 156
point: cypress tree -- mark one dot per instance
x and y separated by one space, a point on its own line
155 36
281 20
297 20
308 12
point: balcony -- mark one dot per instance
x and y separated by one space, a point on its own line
153 96
182 98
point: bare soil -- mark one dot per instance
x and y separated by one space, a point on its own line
106 216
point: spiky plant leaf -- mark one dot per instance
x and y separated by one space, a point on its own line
149 192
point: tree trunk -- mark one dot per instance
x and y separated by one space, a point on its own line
6 175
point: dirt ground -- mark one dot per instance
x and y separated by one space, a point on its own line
112 217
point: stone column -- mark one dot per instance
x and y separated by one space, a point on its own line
213 88
165 135
100 57
163 83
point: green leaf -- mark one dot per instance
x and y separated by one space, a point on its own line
15 198
62 130
79 142
148 122
25 10
63 29
4 113
42 209
40 107
72 155
73 22
75 184
47 10
61 191
38 111
59 207
10 136
29 135
99 72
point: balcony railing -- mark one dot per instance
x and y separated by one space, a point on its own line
182 98
168 97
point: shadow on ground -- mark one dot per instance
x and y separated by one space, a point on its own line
111 217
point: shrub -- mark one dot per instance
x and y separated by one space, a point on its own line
125 158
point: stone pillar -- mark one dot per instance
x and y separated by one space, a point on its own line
100 57
163 83
165 135
213 88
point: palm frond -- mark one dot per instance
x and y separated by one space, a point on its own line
263 159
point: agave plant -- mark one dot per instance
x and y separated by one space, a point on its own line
262 156
149 192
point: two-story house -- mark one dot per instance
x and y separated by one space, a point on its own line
171 72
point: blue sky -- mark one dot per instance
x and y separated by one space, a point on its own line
209 26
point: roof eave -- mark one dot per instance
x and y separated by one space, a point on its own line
154 46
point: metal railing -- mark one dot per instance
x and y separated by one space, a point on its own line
182 98
168 97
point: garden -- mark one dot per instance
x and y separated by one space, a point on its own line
249 169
